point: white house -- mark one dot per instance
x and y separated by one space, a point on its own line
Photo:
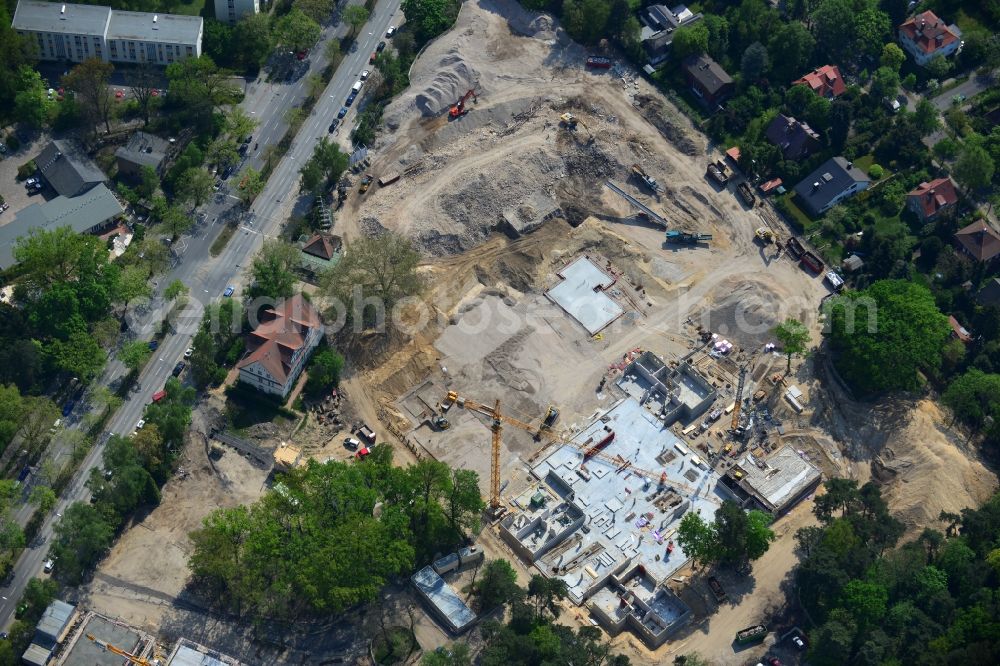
231 11
925 35
279 347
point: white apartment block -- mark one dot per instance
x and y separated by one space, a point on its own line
78 32
231 11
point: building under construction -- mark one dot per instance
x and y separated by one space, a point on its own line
603 512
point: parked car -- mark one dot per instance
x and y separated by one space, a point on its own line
229 291
153 344
774 661
380 47
31 181
366 433
342 112
363 453
371 61
333 126
68 407
350 99
159 395
391 31
365 74
49 565
188 352
351 443
179 368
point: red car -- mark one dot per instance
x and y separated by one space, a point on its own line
599 62
371 61
301 55
365 452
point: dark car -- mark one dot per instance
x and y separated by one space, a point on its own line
351 98
333 126
68 407
153 344
342 112
380 47
179 368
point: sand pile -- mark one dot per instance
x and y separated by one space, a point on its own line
745 311
453 77
926 470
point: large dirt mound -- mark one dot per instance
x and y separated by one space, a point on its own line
926 470
453 77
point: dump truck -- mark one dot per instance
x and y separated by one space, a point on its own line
835 280
751 634
746 193
794 247
719 172
388 179
812 262
646 179
686 238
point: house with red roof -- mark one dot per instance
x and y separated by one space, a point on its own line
280 345
825 81
929 201
925 36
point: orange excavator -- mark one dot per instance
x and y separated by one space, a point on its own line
459 110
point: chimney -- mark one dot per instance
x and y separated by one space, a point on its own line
815 185
62 13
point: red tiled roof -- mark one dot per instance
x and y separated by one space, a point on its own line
934 196
979 240
928 32
734 154
959 330
282 332
770 185
824 81
322 245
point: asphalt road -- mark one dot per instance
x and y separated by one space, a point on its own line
207 277
971 87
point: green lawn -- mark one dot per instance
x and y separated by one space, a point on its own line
799 217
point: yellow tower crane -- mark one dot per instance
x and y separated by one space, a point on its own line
132 658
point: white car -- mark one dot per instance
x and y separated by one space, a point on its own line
364 75
48 565
391 31
188 352
140 424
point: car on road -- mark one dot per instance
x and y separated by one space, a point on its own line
229 291
68 407
342 112
153 344
365 74
391 31
178 369
351 98
958 99
49 565
371 60
380 47
333 126
140 424
188 352
159 395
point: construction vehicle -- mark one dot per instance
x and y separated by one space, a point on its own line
751 634
646 179
734 427
794 247
568 121
812 262
388 179
366 182
746 193
458 109
719 172
686 238
440 422
549 420
132 658
766 235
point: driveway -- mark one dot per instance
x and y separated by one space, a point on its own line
974 85
14 192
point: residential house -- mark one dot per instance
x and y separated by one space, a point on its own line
834 181
89 212
50 633
68 169
825 81
931 200
658 26
63 31
925 36
321 251
989 294
280 345
794 137
231 11
142 149
978 241
958 331
708 80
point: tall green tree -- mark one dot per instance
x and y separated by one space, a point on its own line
355 16
883 335
794 338
91 80
135 354
32 105
497 585
296 31
273 270
974 167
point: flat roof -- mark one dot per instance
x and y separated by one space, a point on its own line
55 618
618 503
86 652
38 16
166 28
444 598
186 655
581 295
779 478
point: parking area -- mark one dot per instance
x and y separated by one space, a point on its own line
14 192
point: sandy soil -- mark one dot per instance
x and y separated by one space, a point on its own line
146 570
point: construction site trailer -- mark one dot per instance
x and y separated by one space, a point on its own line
388 179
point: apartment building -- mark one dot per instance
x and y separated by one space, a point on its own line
77 32
231 11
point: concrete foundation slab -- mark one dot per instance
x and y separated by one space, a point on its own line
580 295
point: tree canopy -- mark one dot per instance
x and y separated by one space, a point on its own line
881 336
733 538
